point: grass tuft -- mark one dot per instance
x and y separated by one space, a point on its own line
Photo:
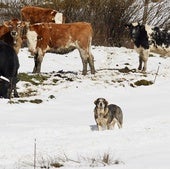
143 82
34 79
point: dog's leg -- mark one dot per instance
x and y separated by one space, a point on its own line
119 125
111 125
100 128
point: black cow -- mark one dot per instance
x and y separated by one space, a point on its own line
149 39
9 65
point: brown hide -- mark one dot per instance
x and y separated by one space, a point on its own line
57 36
34 14
61 35
13 36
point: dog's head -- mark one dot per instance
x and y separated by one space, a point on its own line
101 103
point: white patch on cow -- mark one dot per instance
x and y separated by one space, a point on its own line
4 78
53 11
83 53
38 24
149 31
70 43
135 24
32 40
48 48
90 44
162 50
58 18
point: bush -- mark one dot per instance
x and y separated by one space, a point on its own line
106 16
47 162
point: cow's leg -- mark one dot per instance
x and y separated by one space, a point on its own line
9 90
14 88
15 92
90 58
4 92
84 58
145 59
91 63
11 87
141 56
35 63
84 71
38 57
140 63
87 57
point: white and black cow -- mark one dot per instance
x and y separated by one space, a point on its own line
149 39
9 65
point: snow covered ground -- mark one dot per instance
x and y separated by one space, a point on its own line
64 126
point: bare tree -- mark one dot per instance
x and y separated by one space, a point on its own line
153 12
106 16
145 12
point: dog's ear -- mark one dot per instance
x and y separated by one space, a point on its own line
95 102
106 102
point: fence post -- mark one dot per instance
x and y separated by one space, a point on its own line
157 72
35 146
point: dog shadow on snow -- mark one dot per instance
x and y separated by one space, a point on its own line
93 127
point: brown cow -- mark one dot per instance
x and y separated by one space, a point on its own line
44 37
34 14
10 33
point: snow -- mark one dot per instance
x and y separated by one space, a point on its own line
64 127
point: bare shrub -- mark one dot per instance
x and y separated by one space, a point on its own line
106 16
47 162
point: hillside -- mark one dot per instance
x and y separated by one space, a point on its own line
56 109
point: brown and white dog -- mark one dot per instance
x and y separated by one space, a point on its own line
107 115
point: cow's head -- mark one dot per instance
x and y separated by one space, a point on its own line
135 30
15 26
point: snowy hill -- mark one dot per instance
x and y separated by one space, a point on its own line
56 109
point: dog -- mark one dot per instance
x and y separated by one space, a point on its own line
107 115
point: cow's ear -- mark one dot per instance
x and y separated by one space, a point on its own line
6 23
23 24
127 25
139 24
142 27
27 24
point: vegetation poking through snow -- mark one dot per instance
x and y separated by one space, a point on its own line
127 70
35 101
106 159
34 79
143 82
34 82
